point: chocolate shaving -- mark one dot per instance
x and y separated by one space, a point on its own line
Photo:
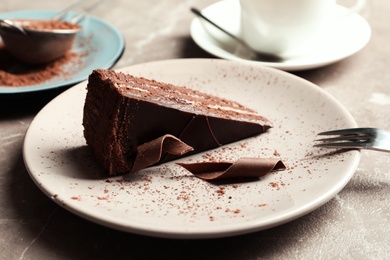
242 168
151 152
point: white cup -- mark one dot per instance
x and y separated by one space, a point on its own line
287 27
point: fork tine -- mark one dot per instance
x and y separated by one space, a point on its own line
344 138
348 131
347 145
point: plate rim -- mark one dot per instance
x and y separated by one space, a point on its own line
120 40
217 233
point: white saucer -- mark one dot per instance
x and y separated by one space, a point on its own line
346 37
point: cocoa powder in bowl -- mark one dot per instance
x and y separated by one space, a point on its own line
42 40
43 25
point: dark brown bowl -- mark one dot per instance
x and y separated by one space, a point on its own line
37 45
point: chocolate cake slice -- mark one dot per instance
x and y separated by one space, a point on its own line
123 113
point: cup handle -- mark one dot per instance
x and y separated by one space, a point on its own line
356 8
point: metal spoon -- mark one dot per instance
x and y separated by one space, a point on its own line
61 15
250 53
12 25
78 17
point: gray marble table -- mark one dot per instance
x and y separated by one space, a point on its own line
353 225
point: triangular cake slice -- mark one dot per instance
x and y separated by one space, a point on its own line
123 112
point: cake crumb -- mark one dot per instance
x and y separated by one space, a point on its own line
221 191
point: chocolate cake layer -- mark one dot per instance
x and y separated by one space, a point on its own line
122 112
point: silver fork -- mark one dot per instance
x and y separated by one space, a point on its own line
356 138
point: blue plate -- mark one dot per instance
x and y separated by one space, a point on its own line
99 45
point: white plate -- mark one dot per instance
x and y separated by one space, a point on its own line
99 43
346 37
166 201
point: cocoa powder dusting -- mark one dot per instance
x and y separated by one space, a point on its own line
13 73
47 25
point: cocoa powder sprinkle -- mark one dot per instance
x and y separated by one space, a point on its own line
13 73
47 25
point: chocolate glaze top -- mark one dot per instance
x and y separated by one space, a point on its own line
180 97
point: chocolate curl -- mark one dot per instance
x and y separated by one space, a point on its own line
151 152
242 168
